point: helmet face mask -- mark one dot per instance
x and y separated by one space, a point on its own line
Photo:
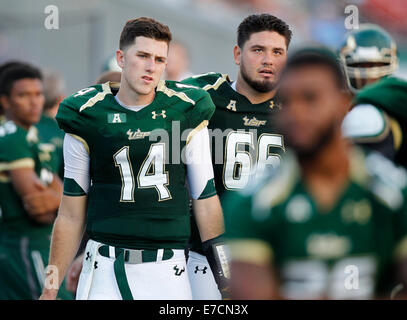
368 54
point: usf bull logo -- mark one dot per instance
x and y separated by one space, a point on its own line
178 271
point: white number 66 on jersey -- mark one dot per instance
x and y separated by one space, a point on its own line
239 166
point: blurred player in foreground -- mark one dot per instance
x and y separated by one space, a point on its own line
331 221
29 192
378 118
127 188
243 128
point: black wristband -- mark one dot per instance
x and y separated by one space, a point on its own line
215 251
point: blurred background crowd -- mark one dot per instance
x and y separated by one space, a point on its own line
82 48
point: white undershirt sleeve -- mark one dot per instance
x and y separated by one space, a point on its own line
364 121
76 160
199 166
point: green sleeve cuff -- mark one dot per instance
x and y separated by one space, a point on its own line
209 190
72 188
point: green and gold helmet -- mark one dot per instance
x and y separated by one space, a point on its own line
368 54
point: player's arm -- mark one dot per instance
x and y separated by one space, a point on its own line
45 200
209 217
252 277
206 206
67 233
205 202
248 239
368 126
40 201
400 253
71 220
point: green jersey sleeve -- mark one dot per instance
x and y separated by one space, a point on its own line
71 116
247 237
206 81
15 151
196 104
389 93
201 112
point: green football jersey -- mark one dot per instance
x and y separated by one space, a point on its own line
343 253
390 95
137 197
52 139
244 137
19 148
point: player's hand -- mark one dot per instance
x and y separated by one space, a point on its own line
39 185
73 274
49 294
41 205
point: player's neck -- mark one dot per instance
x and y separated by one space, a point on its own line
326 175
129 97
19 123
252 95
331 161
52 112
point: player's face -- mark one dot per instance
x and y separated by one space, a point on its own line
261 59
143 64
312 110
25 101
361 82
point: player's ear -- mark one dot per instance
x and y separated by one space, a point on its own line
120 58
237 54
4 102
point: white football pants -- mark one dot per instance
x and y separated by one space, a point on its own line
160 280
201 278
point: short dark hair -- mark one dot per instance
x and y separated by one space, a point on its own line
317 56
4 67
17 72
144 27
262 22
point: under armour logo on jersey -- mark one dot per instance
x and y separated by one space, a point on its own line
95 264
155 115
88 256
178 272
272 105
203 270
231 105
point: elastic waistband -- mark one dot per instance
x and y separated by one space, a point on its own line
133 256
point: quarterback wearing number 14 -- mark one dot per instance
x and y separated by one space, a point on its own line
120 184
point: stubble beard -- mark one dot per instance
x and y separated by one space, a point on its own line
259 86
325 137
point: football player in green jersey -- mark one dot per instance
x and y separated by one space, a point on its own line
378 118
51 135
243 129
125 182
73 273
29 192
329 223
3 67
